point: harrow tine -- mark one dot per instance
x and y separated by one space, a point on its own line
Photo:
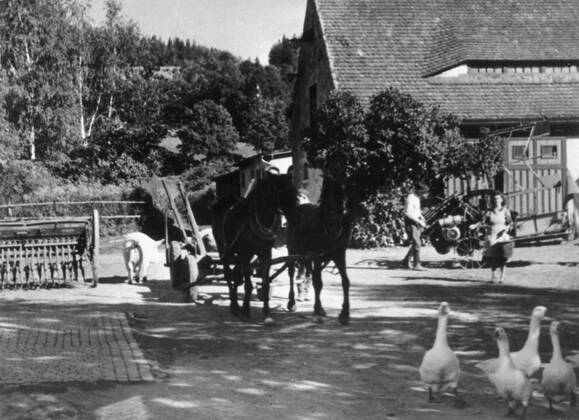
10 261
52 264
20 264
70 264
46 264
77 264
15 268
56 265
2 267
40 265
31 278
62 266
26 267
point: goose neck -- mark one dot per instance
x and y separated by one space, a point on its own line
534 333
441 337
504 351
503 348
557 355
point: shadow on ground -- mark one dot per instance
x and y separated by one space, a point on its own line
215 366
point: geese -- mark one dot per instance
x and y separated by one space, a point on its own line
512 384
440 368
527 358
559 379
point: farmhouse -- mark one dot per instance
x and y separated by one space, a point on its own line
493 63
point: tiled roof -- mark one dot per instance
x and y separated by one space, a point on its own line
373 44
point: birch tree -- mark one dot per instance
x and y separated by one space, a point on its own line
35 36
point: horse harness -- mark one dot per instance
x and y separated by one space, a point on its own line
254 225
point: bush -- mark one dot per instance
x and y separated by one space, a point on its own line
381 222
21 178
56 196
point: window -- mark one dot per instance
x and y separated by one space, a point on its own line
518 152
509 67
549 152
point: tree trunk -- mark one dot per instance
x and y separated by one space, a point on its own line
110 112
80 102
93 117
32 144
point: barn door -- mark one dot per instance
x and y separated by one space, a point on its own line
533 178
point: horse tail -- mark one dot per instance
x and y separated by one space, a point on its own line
219 212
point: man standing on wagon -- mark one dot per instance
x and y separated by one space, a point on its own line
415 223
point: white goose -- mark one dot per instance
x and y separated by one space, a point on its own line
512 384
440 368
559 378
527 358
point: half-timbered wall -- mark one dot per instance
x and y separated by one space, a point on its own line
534 178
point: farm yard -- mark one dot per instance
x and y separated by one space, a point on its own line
195 360
373 116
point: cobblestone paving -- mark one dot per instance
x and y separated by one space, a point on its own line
55 347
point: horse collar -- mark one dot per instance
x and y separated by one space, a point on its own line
261 231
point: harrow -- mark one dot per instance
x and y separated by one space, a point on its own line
48 253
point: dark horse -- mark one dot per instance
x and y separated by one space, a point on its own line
244 228
319 234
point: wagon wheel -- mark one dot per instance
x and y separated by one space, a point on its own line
471 253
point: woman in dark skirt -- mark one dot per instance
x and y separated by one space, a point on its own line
498 244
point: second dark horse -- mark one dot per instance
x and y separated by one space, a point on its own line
319 234
244 228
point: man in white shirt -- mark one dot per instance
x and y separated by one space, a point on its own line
415 222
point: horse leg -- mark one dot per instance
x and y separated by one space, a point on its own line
317 280
291 269
232 285
340 260
265 260
304 279
246 270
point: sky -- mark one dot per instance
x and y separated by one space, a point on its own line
246 28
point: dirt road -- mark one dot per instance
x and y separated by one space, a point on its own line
207 365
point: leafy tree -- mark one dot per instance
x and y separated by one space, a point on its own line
411 141
339 145
36 38
283 53
269 129
482 159
209 134
200 176
284 56
21 177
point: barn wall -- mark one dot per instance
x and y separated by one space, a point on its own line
313 71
